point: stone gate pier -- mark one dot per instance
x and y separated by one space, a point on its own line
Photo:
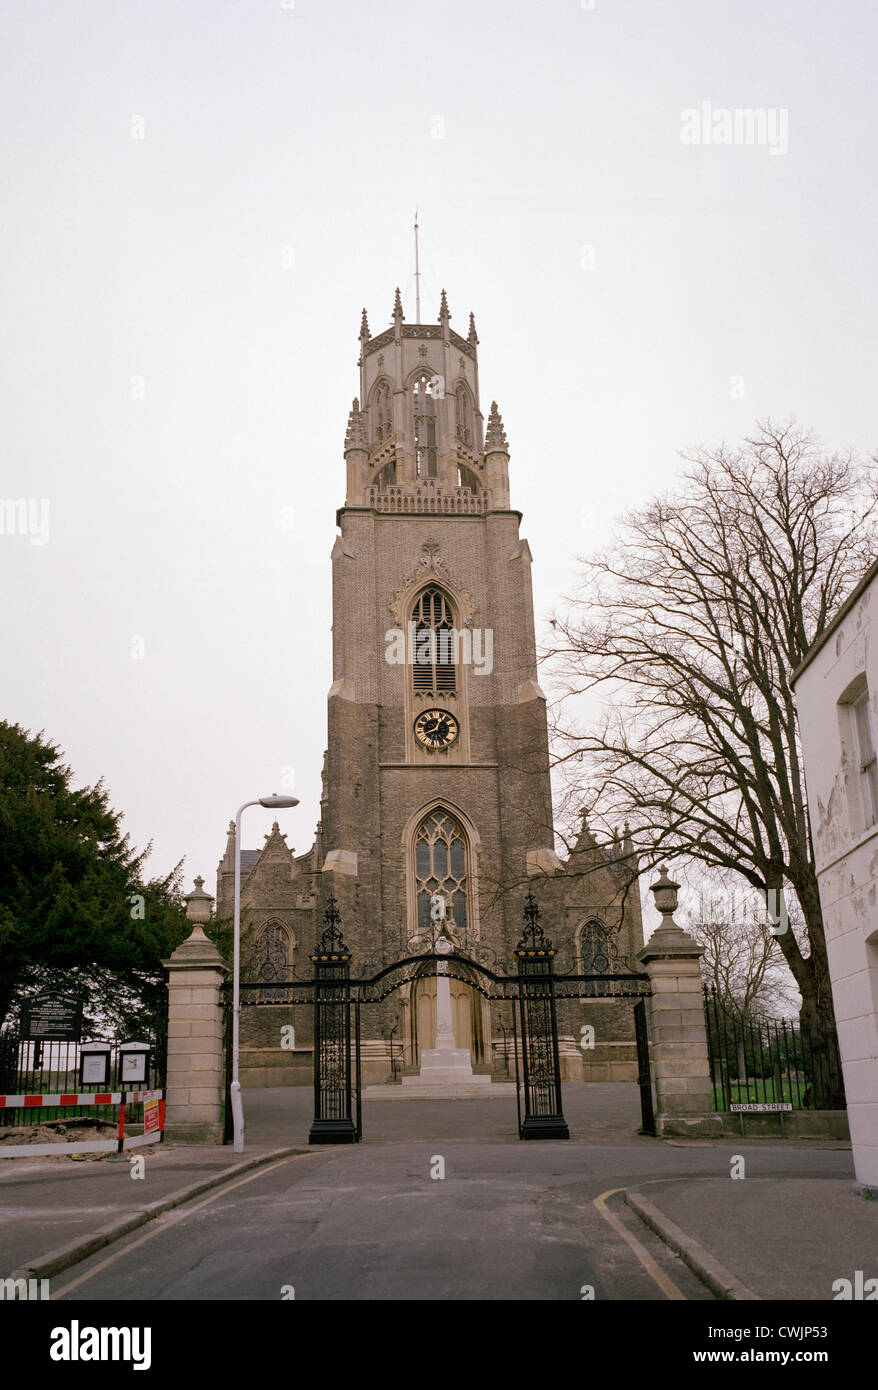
194 1078
681 1067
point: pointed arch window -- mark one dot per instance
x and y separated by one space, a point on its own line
463 416
383 412
386 475
424 411
441 856
434 669
599 955
467 478
269 961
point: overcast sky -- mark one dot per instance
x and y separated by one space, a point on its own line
199 198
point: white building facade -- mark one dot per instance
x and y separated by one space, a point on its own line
836 690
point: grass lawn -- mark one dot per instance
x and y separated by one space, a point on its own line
739 1093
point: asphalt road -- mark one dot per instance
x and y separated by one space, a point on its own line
361 1224
508 1220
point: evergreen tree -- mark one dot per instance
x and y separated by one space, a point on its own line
75 912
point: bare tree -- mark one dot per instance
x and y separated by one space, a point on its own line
742 959
692 625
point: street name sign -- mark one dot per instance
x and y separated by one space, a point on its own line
763 1106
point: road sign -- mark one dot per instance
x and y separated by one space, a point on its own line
150 1114
763 1106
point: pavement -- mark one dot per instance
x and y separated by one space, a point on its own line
779 1237
633 1216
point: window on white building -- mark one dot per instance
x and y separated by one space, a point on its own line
866 759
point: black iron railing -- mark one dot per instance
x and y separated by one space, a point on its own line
760 1061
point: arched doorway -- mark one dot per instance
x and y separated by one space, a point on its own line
469 1016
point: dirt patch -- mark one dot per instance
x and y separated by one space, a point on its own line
78 1129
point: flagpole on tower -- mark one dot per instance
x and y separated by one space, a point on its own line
417 275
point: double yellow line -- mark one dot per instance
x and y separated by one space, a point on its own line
667 1285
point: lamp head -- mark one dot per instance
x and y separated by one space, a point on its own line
278 803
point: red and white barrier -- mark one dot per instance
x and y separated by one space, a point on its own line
153 1121
68 1098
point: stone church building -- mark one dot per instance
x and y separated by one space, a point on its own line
436 775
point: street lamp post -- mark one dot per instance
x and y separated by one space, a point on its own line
273 803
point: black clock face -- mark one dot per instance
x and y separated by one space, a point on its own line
436 728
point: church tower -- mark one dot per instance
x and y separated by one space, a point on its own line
436 775
438 765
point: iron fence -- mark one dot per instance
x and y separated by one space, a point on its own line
760 1061
29 1067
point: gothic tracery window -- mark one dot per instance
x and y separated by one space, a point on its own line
270 962
441 866
433 658
598 953
424 412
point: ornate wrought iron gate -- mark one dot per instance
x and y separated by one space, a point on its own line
336 1070
532 987
540 1062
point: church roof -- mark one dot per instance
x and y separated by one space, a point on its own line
248 859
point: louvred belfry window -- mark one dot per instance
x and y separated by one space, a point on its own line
433 659
440 867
